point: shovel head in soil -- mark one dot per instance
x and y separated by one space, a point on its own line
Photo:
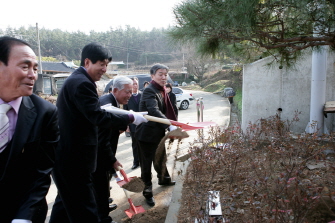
133 209
123 182
132 184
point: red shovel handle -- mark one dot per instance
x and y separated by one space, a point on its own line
132 206
124 175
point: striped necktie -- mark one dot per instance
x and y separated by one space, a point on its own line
4 126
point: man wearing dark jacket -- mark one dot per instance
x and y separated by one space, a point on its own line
28 136
108 140
157 103
80 116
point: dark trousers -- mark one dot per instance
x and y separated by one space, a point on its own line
147 154
134 145
75 201
101 178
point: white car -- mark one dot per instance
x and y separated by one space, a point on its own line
184 98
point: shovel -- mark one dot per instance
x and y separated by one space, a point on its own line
132 184
133 209
185 127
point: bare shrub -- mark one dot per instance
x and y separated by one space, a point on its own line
265 174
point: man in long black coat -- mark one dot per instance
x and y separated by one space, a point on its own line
80 116
108 140
157 103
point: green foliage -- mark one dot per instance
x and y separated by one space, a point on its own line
253 29
49 59
238 101
150 58
76 62
217 86
126 44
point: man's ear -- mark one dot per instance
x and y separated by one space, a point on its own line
2 65
87 62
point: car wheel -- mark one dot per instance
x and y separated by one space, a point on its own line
184 105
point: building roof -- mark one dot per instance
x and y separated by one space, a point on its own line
56 67
116 62
71 64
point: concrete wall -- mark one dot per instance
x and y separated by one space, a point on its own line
267 88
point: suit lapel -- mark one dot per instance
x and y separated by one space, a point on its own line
25 121
26 118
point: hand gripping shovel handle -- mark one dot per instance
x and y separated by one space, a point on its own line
126 179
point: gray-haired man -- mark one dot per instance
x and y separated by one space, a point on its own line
108 140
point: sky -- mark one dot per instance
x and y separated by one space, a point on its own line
85 15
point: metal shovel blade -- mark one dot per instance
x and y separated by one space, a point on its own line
133 209
192 126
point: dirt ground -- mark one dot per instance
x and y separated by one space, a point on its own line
295 186
157 213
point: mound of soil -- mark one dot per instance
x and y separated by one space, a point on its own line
135 185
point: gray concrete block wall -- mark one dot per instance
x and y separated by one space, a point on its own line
267 88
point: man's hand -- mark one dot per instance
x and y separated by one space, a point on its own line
172 127
138 117
116 164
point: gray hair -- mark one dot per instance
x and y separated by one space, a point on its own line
120 81
156 67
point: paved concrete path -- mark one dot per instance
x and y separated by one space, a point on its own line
216 109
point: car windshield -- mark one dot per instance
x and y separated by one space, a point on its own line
177 90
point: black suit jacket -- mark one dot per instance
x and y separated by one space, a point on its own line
108 137
25 178
152 101
80 116
133 104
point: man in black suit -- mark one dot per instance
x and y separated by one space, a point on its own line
108 140
156 101
80 116
27 150
133 104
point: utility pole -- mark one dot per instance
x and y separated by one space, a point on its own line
40 70
183 61
127 59
146 60
318 85
39 50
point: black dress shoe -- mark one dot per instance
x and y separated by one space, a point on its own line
112 207
135 166
167 183
150 201
110 200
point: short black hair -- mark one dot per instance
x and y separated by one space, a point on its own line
6 44
156 67
145 82
95 52
168 85
134 78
